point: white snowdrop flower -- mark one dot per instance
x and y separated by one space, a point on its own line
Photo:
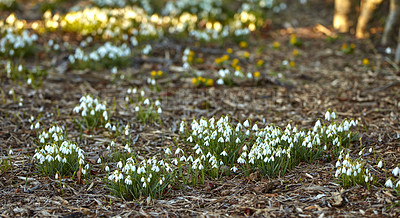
10 152
99 160
137 108
201 166
37 125
108 125
190 139
333 116
157 103
221 140
246 124
234 169
396 171
84 171
398 184
237 140
178 151
92 112
29 81
56 177
167 151
337 163
81 161
159 111
220 81
126 131
255 127
146 102
389 183
128 180
224 153
327 116
360 153
114 70
105 115
64 160
380 164
199 151
247 132
370 150
366 179
161 182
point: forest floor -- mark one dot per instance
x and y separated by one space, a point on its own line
323 78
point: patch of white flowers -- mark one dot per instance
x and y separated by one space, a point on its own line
270 149
54 135
352 171
64 159
133 179
394 181
93 112
106 51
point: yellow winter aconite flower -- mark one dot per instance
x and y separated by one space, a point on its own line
235 62
259 63
293 39
365 62
243 44
190 58
237 68
229 50
276 45
153 73
225 57
295 52
352 46
210 82
194 81
292 64
344 46
256 74
159 73
246 54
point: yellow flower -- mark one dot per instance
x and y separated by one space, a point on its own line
237 68
229 50
159 73
191 53
276 45
352 46
190 58
293 39
201 79
243 44
256 74
295 52
246 54
365 62
218 60
259 63
292 64
210 82
344 46
153 73
194 81
235 62
225 57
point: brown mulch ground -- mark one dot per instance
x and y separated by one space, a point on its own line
323 79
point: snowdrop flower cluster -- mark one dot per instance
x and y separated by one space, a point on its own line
352 171
146 110
61 158
54 135
217 140
133 179
34 125
13 43
395 184
104 52
92 111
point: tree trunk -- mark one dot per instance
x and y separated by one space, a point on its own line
392 22
367 9
397 55
344 15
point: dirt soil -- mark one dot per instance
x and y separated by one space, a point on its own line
323 78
